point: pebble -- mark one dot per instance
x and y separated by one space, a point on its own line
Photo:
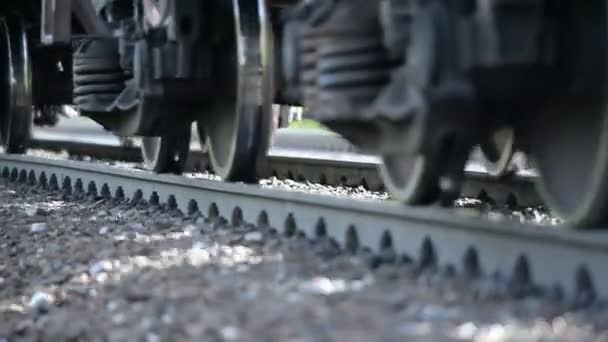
200 245
254 237
191 229
35 212
150 337
100 266
120 237
338 191
39 227
466 331
104 230
137 226
112 306
56 265
230 333
41 301
438 313
103 213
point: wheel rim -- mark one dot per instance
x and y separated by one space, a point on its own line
150 148
411 180
167 154
498 151
238 131
15 122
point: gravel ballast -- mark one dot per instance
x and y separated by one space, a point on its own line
89 269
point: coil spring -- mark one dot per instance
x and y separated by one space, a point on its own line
344 62
98 77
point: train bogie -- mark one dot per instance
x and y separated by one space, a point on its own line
422 82
151 68
419 83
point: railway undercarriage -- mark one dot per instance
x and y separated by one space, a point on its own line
419 82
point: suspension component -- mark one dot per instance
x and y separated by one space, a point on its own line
416 81
98 76
344 64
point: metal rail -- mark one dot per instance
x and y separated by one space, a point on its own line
300 155
526 256
328 167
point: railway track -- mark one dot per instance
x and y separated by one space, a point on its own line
526 260
301 155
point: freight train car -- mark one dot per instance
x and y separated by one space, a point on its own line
418 82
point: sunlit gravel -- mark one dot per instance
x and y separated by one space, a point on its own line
96 270
483 208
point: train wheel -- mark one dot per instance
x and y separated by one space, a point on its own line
169 153
571 155
238 124
202 138
568 138
16 78
411 180
498 151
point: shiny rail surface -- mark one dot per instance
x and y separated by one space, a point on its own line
315 156
566 261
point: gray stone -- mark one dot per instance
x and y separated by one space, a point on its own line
39 227
438 313
35 212
254 237
41 301
100 266
137 226
191 229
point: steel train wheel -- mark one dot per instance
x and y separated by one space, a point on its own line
238 122
411 180
568 137
498 151
572 159
169 153
202 138
16 76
